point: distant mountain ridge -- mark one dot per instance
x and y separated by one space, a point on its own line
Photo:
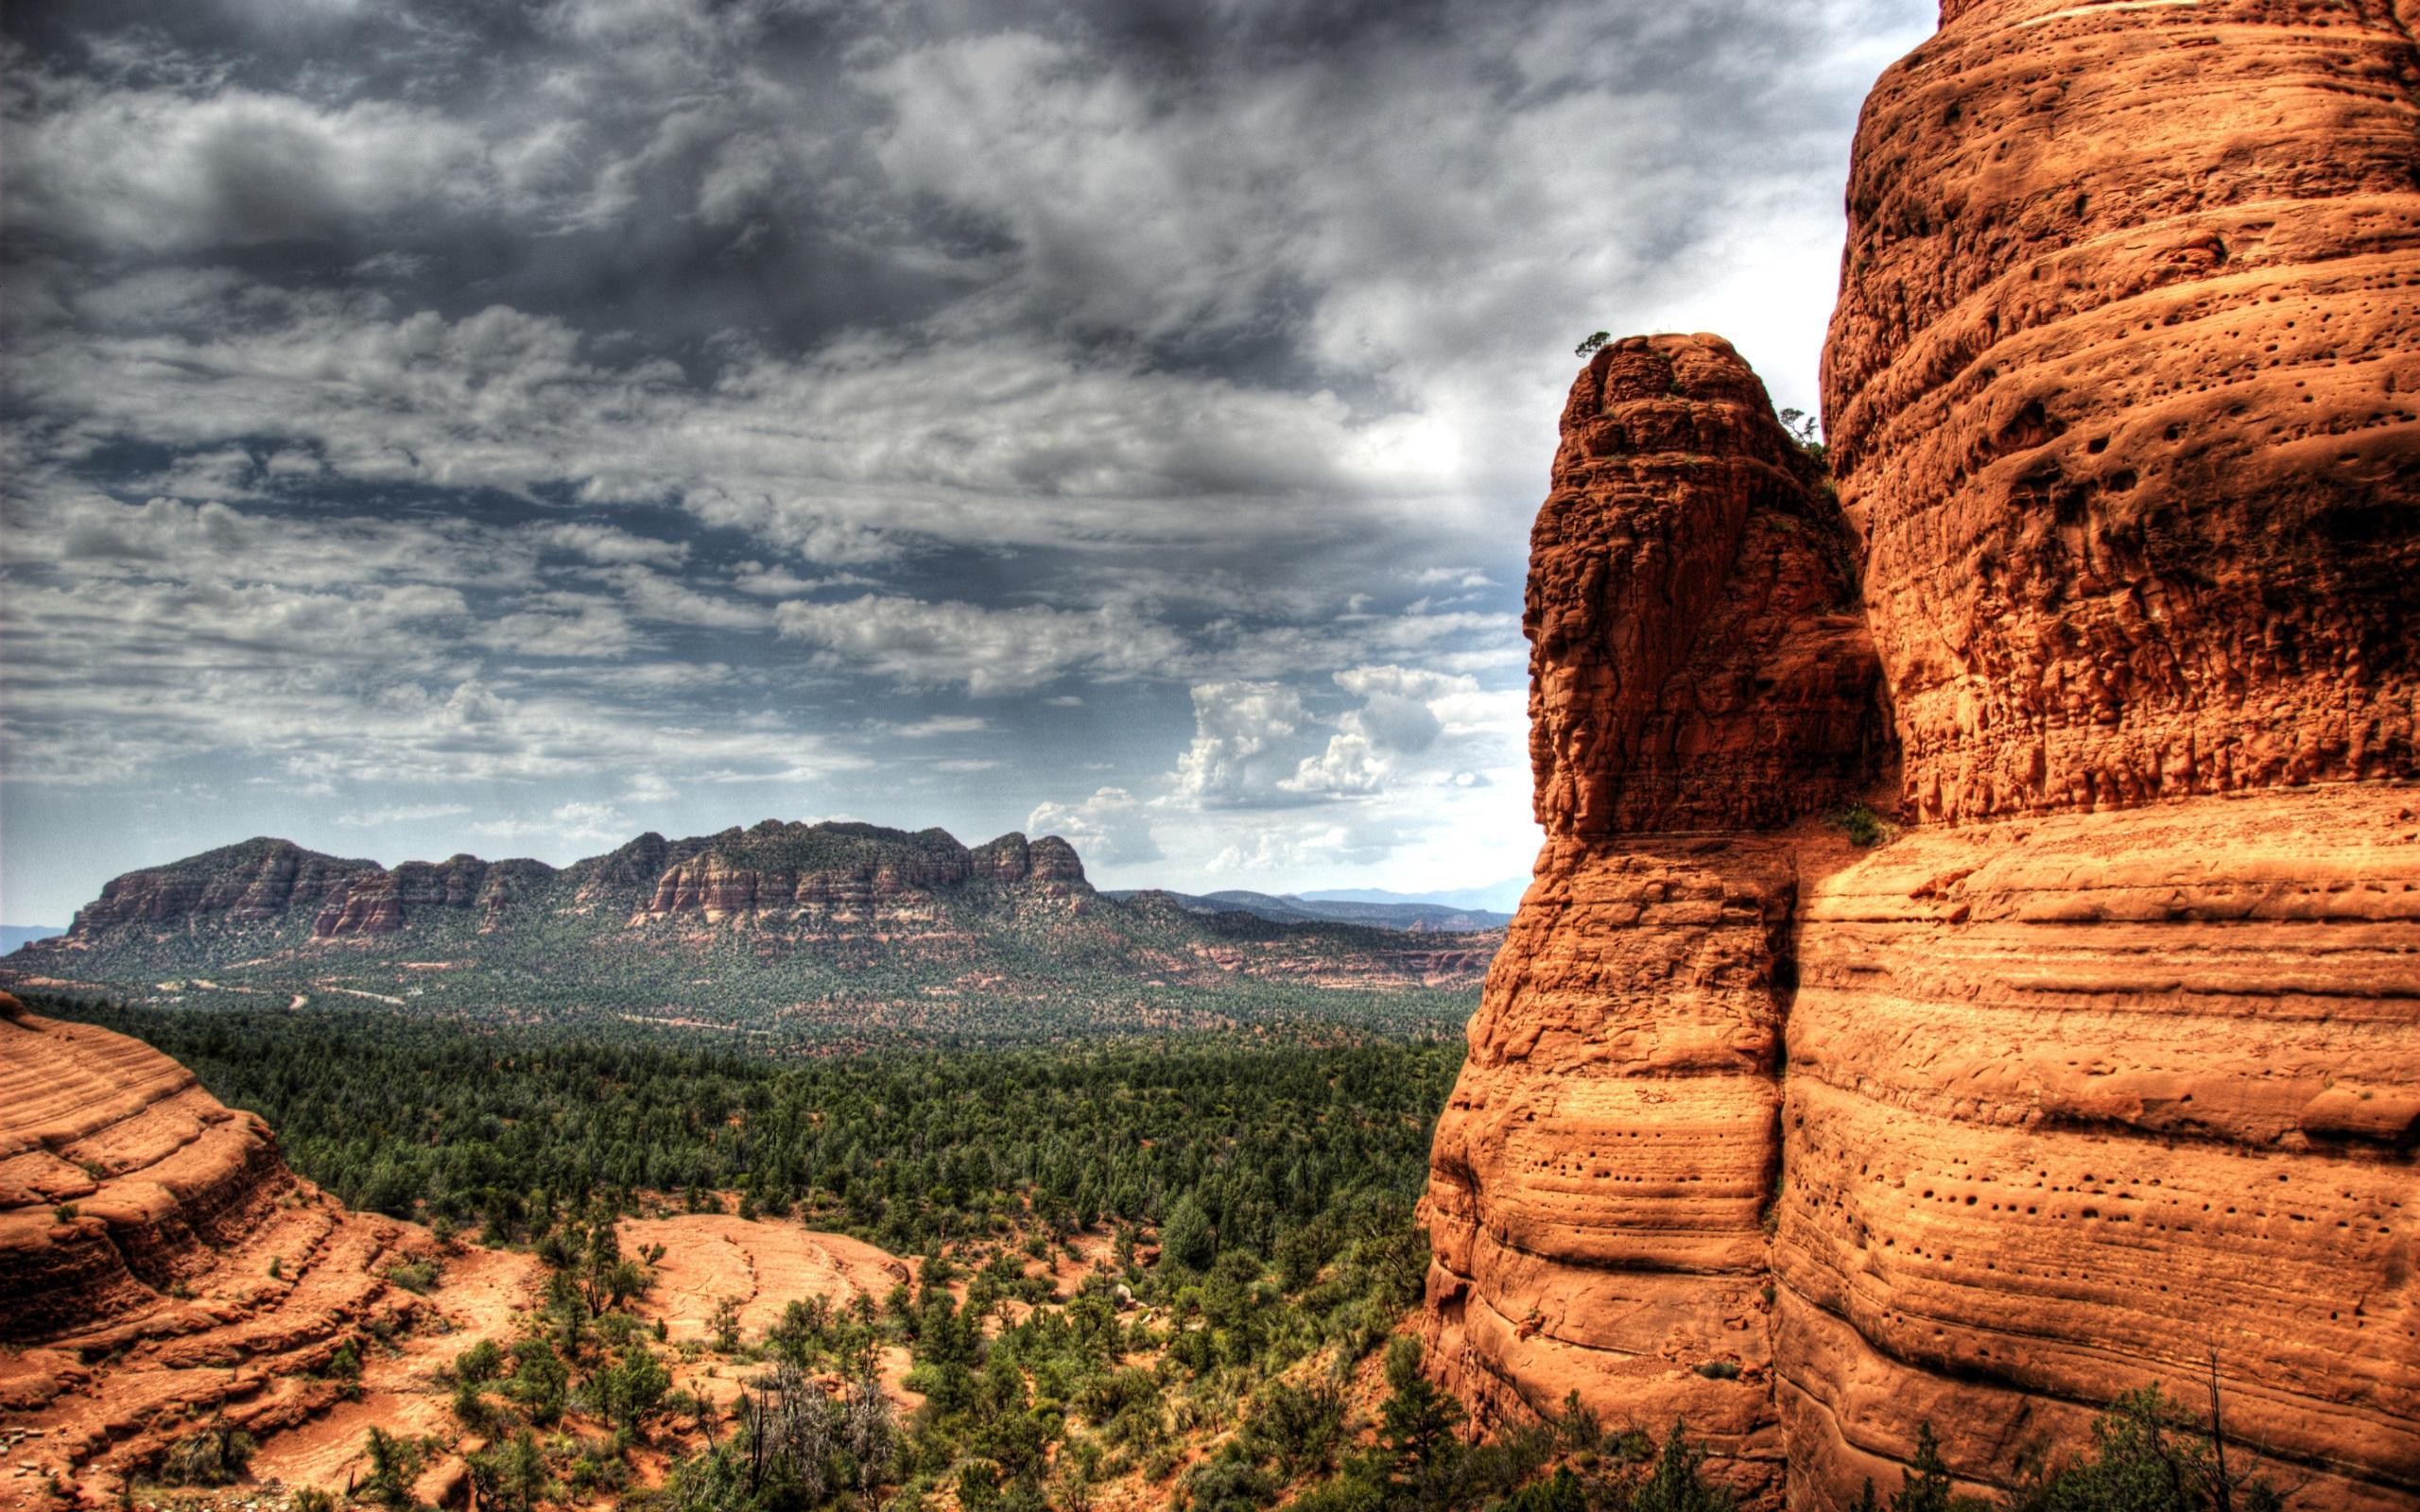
12 935
817 931
1497 897
1294 908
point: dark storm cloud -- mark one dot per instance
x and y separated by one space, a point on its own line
1121 415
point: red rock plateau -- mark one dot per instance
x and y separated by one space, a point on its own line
2107 1063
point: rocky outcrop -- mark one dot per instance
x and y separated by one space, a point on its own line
2121 394
2119 1081
1698 661
382 902
849 872
117 1174
162 1273
259 880
2078 1102
1700 678
2102 1074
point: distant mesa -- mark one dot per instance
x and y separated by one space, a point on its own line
824 930
12 935
1293 908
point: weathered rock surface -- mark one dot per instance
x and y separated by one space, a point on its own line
2124 393
1699 676
256 880
140 1221
1698 660
850 873
2074 1101
2108 1072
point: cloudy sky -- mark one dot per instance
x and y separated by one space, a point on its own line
458 426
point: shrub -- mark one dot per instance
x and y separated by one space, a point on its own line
482 1361
2148 1455
1861 824
218 1456
1674 1484
1720 1370
1230 1482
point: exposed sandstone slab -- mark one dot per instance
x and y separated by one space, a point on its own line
195 1278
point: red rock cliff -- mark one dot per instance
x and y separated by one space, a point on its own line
2110 1066
2121 394
2121 391
1700 678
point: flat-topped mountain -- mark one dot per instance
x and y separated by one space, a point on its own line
821 931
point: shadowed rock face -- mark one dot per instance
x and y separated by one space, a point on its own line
2108 1072
2123 392
1699 678
1697 659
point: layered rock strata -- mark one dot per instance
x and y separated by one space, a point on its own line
118 1174
2121 391
1699 678
2107 1072
160 1267
2081 1103
2124 393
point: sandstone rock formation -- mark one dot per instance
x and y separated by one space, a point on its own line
1699 678
139 1220
256 880
2122 395
2075 1101
2104 1073
849 872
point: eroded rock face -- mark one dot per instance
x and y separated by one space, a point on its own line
1697 659
382 902
154 1168
2074 1101
1699 678
254 882
196 1280
850 872
2123 391
2120 389
2108 1072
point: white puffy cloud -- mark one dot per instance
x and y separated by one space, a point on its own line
1350 766
1234 759
577 823
400 814
1112 828
609 546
